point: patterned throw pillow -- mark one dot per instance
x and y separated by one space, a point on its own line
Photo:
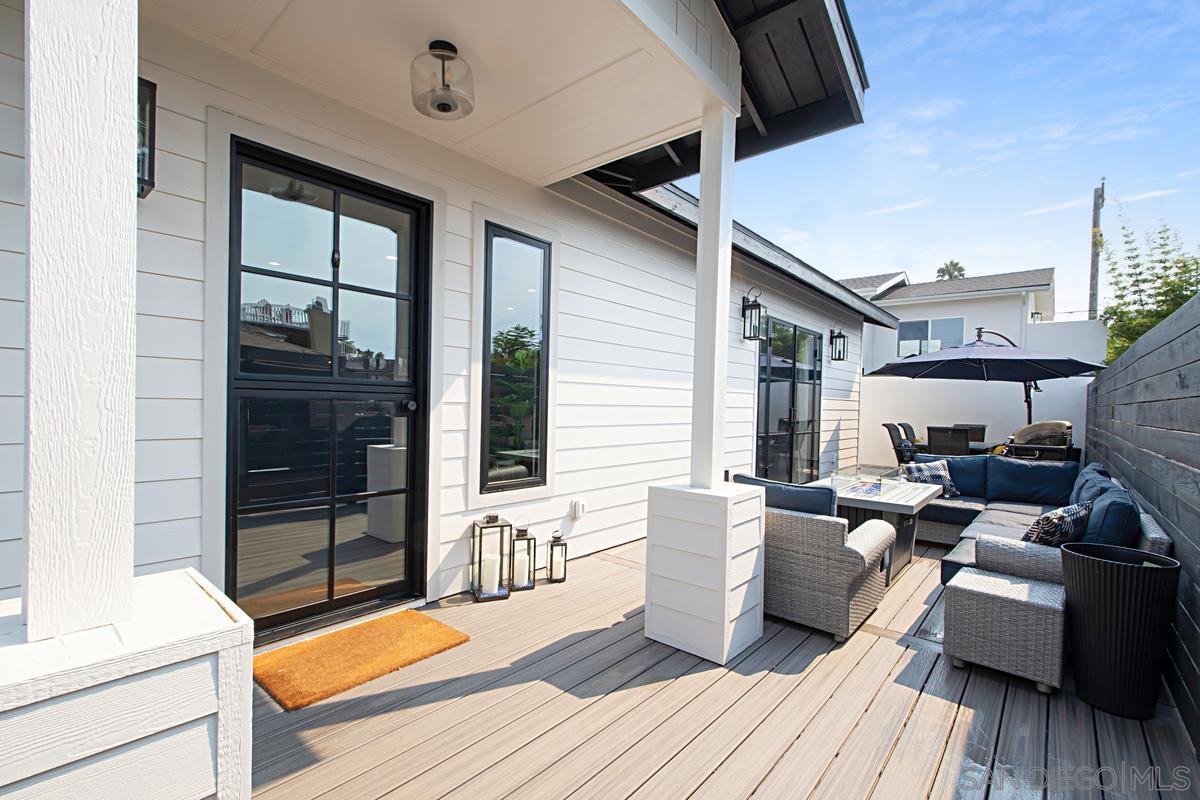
935 472
1058 527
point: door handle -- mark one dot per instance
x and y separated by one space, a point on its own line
411 405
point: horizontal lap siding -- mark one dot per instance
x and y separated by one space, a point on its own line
1143 423
624 342
170 322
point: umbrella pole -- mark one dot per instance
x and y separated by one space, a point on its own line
1028 404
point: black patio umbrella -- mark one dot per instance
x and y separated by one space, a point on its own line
988 361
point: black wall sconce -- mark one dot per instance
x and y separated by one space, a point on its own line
1035 316
752 317
837 345
147 101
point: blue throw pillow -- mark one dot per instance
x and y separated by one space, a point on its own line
793 497
933 472
1115 519
1056 528
969 473
1045 483
1092 482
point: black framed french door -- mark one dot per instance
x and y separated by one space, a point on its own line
327 432
789 403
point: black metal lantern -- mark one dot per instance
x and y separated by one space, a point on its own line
522 565
837 345
147 101
491 545
556 559
752 317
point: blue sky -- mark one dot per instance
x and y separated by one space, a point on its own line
987 126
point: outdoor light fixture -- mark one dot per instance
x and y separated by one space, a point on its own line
556 562
147 99
491 545
1035 316
752 317
522 564
837 345
442 85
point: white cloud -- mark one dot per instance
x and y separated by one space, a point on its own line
1135 198
922 203
1188 174
935 108
1083 201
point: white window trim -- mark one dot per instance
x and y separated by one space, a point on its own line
220 126
929 328
475 498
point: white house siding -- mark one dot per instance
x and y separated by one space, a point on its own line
623 344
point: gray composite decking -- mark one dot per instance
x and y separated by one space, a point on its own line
559 694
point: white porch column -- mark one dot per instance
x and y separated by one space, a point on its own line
714 250
80 139
704 590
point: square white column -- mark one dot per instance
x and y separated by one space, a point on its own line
704 568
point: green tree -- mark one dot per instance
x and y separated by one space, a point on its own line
951 271
1151 277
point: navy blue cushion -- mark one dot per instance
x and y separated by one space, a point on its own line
969 473
1043 482
1092 482
961 510
792 497
1114 520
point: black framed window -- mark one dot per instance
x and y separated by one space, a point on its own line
516 320
326 281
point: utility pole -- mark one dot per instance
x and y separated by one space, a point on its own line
1094 291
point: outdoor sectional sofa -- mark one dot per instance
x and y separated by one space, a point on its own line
1001 497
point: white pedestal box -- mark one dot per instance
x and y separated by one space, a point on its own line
704 568
387 468
158 705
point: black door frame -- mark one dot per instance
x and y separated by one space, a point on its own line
243 150
761 436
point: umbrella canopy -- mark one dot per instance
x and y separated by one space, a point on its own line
988 361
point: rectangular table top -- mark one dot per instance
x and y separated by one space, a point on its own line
896 497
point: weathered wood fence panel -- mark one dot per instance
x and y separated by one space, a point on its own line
1143 423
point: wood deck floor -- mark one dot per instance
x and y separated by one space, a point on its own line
559 694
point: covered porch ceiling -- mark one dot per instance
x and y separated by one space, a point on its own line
802 77
560 87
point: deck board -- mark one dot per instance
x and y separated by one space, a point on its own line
559 693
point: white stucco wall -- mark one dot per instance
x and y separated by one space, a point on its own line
623 344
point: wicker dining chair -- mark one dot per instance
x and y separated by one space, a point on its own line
909 433
977 431
948 441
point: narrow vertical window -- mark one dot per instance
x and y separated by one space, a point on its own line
516 324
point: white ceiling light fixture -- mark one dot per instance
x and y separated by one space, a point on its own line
442 84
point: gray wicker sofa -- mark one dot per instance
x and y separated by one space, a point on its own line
816 571
1014 492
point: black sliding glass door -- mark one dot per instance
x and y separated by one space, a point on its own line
326 380
789 395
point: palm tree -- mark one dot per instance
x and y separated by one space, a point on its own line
951 271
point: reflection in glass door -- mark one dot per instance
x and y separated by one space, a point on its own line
325 419
789 414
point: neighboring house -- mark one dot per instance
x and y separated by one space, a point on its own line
946 313
359 328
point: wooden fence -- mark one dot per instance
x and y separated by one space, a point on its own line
1143 423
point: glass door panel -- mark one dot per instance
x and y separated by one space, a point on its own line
789 391
282 560
325 303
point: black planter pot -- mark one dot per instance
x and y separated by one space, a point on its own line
1120 603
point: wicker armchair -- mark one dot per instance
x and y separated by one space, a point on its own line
820 574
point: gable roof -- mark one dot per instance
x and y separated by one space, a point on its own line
869 281
1025 279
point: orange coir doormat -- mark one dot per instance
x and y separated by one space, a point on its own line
303 673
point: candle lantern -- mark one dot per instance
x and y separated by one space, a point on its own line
522 564
491 545
556 563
